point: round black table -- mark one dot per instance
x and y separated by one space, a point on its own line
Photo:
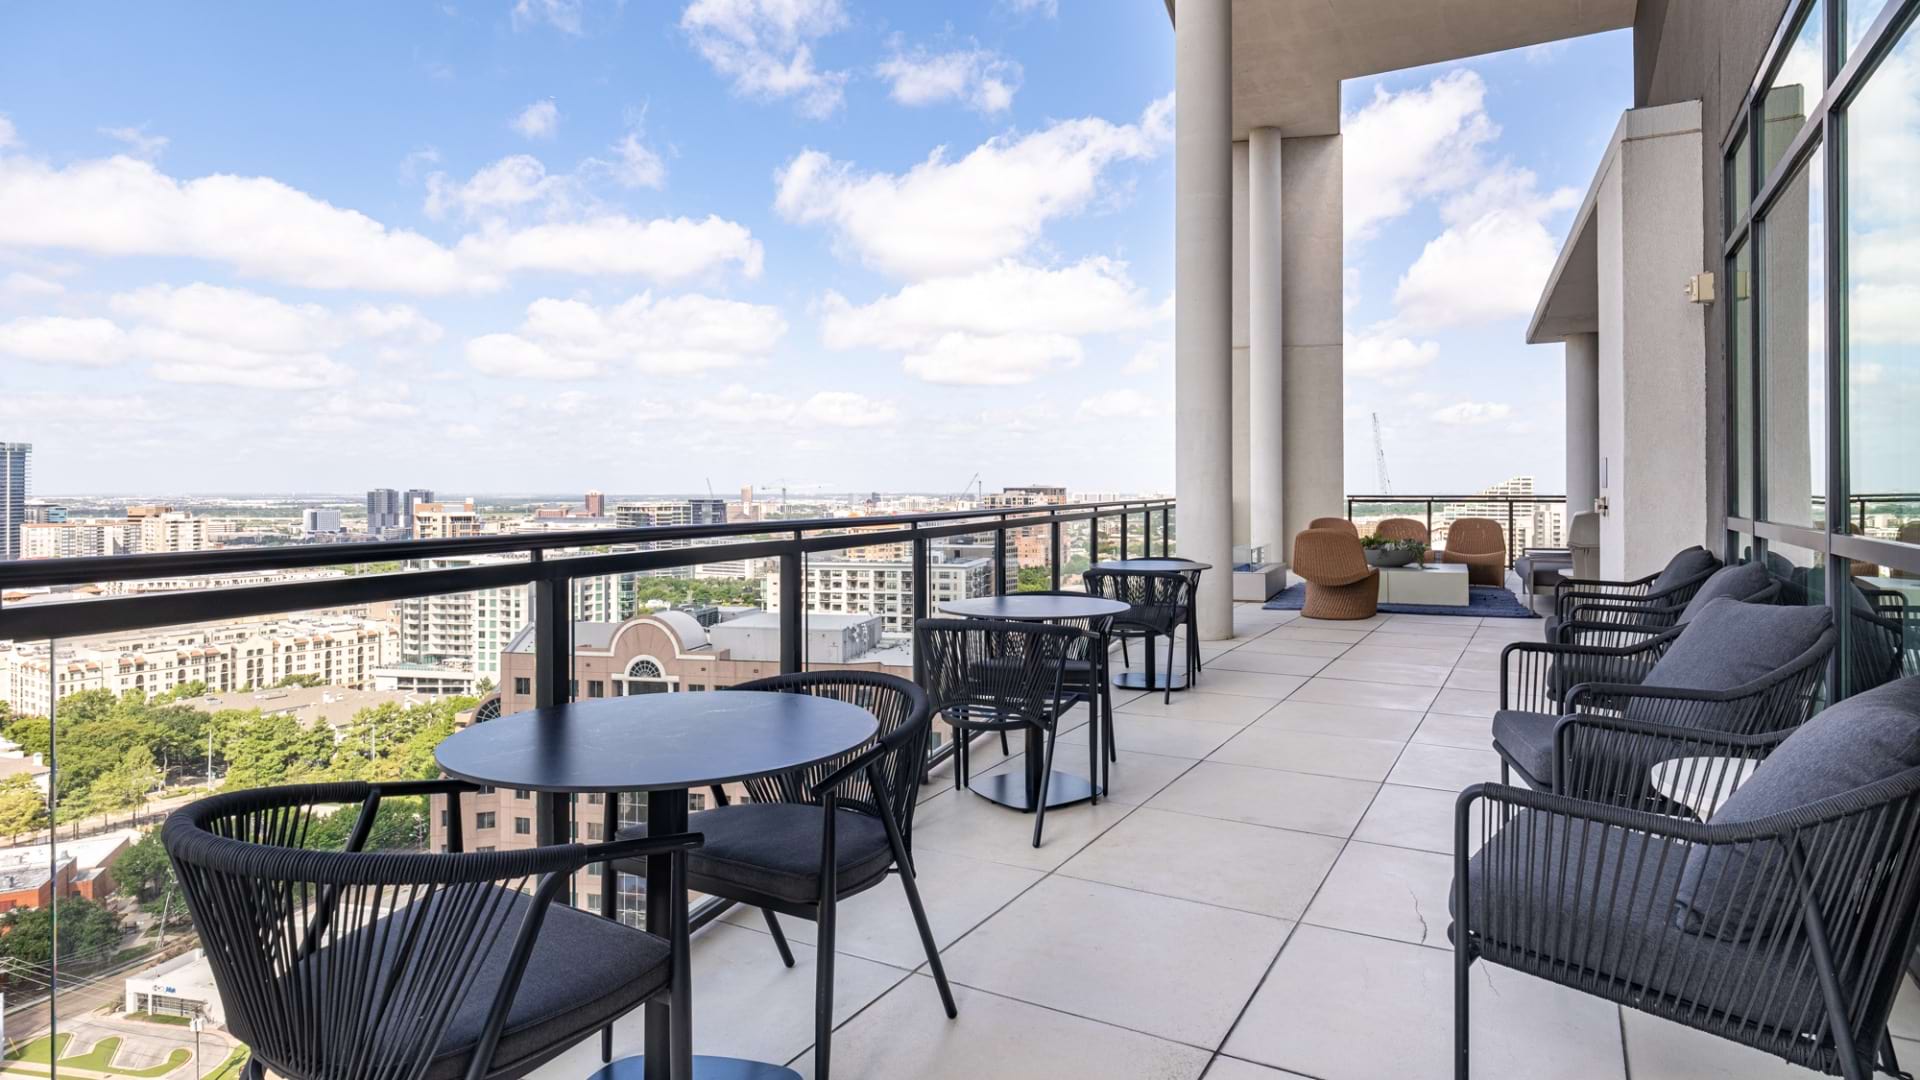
1151 679
660 744
1023 792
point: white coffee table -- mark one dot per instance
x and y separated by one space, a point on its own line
1441 584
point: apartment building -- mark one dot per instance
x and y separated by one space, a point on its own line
444 521
469 631
883 588
336 650
79 539
14 459
170 530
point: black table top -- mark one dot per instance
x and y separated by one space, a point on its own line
1150 566
1033 608
655 742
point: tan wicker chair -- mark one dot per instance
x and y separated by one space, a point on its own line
1340 584
1341 524
1401 529
1481 544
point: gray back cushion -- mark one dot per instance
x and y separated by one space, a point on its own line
1742 581
1862 740
1728 643
1685 566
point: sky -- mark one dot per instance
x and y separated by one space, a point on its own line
831 245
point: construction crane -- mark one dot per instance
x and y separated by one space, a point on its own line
968 486
1380 459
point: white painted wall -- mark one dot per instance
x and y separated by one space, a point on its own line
1652 348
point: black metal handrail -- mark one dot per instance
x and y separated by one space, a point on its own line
1509 501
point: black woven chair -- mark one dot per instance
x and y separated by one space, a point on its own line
1649 598
775 853
1194 664
1544 748
1086 680
350 965
1621 623
1783 922
1160 602
982 675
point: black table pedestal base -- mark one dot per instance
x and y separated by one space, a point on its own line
1137 680
1010 789
704 1068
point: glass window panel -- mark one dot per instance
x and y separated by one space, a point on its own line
1793 92
1740 348
1860 16
1803 577
1739 180
1883 307
1793 325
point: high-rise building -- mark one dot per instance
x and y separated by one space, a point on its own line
171 530
79 539
407 500
319 521
855 587
384 511
634 515
439 521
45 513
596 504
13 496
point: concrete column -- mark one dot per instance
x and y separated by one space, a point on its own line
1266 372
1242 529
1583 422
1312 250
1203 301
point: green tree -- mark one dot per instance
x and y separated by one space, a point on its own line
125 785
399 825
484 686
23 806
1034 579
307 681
267 749
182 692
89 933
144 869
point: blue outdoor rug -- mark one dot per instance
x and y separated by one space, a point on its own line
1483 602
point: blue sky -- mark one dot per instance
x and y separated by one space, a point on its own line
541 245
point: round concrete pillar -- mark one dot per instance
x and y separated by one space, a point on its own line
1203 301
1583 422
1266 348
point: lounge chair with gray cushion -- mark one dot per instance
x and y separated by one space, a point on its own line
1672 587
1737 669
1606 623
1782 922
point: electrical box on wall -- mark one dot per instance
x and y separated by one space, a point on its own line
1700 288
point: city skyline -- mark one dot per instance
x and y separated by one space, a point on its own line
514 249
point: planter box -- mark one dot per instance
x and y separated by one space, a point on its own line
1259 585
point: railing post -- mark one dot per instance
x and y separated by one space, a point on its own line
1124 519
1053 539
922 600
1510 534
793 593
552 669
1429 527
1000 557
1166 532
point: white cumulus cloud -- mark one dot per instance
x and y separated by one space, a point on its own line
1384 356
948 216
1492 259
980 78
540 120
58 339
677 335
562 15
1401 147
1119 404
1472 412
765 47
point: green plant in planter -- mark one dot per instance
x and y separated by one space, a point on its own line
1375 543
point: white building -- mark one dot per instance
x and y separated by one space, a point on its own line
883 588
468 631
336 650
320 521
79 539
182 986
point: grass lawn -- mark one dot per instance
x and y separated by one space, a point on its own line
231 1066
99 1058
163 1018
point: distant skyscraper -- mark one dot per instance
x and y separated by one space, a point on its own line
319 521
413 495
596 504
13 497
383 510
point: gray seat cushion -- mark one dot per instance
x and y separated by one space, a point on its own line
1864 739
585 971
1527 740
1742 581
1729 644
1685 566
1592 907
773 849
1541 569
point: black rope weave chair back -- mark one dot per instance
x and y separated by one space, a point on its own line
994 674
1778 701
905 719
342 965
1158 599
1877 648
1095 629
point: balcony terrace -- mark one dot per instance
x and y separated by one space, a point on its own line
1264 895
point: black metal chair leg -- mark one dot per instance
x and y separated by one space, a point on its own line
823 965
779 937
1005 750
1093 744
1169 669
908 883
1046 774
